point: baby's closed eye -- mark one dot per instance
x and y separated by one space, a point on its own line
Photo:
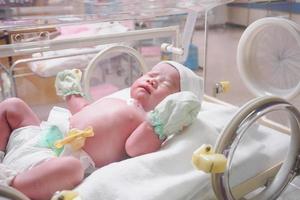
166 84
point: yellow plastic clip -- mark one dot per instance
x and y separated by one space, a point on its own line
65 195
76 138
225 85
205 159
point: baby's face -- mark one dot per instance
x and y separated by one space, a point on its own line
155 85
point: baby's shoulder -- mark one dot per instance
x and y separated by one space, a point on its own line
109 101
117 105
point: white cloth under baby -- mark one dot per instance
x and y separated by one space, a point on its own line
23 150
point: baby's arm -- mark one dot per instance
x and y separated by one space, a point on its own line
169 117
143 140
68 86
76 102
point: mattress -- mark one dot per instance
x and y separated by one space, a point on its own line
169 174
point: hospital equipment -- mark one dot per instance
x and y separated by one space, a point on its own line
207 160
268 65
235 131
266 72
91 67
167 173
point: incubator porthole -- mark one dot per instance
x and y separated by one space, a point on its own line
249 125
112 69
268 57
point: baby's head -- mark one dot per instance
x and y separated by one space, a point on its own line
189 81
165 78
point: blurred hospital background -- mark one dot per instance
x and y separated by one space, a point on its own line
32 29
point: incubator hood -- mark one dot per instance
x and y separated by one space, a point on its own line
33 31
39 13
49 16
32 27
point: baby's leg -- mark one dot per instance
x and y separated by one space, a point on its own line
14 113
43 180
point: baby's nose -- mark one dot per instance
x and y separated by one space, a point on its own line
153 82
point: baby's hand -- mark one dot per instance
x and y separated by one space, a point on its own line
68 82
174 113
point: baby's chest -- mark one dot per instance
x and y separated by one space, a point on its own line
116 128
117 119
109 116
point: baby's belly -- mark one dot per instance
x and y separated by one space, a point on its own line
108 148
113 121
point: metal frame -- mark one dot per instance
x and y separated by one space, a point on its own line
37 47
230 138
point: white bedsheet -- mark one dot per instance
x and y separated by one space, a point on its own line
168 173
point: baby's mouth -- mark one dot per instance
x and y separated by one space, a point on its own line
146 88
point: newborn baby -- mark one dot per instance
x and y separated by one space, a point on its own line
119 128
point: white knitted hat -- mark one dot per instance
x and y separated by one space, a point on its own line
189 81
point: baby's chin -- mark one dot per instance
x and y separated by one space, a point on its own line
139 95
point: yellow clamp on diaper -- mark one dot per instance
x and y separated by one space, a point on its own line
205 159
76 138
65 195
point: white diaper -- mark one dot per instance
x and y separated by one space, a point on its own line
6 175
60 117
1 156
23 150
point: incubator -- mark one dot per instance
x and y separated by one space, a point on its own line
113 42
42 38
